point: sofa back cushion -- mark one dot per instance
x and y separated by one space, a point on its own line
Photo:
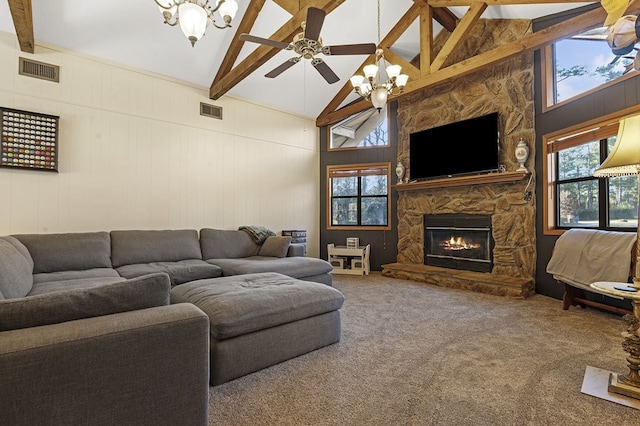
68 252
68 305
16 269
275 247
130 247
226 244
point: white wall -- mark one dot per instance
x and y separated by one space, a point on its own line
134 153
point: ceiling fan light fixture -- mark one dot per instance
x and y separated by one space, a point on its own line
194 15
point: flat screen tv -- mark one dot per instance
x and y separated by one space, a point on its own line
461 148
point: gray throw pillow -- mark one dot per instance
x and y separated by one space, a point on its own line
68 305
16 272
275 246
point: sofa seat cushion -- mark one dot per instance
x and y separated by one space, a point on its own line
244 304
68 305
296 267
179 272
16 269
72 284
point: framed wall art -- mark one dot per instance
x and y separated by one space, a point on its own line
29 140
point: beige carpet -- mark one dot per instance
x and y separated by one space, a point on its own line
417 354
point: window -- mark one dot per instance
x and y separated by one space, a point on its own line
581 64
577 199
359 196
368 129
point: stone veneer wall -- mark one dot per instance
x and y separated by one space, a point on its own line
506 87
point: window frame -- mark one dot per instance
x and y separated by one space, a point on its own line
592 130
387 112
360 170
548 82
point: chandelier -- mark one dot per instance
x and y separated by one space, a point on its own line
371 87
194 15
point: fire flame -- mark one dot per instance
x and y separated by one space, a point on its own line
458 243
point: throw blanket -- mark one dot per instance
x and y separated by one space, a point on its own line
584 256
258 233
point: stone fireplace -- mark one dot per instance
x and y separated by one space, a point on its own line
458 241
507 198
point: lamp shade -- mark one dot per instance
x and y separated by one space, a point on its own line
379 97
228 8
370 71
193 21
624 159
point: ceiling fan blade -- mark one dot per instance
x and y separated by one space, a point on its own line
268 42
282 68
350 49
324 70
313 25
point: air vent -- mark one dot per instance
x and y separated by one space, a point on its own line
39 70
210 111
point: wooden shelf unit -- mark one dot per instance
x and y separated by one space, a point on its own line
464 180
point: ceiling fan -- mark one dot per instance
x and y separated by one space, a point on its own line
308 44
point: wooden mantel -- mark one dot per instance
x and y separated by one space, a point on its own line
464 180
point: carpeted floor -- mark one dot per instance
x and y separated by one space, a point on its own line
417 354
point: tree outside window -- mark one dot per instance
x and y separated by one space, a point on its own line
359 196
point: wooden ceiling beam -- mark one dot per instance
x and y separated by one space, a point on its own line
263 53
253 9
442 15
457 36
453 3
23 23
528 43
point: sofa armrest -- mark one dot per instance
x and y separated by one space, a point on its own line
297 249
143 367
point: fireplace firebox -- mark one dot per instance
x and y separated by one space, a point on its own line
458 241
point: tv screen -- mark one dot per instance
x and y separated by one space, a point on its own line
464 147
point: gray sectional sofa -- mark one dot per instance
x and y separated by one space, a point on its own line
90 327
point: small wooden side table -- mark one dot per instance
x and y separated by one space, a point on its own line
626 384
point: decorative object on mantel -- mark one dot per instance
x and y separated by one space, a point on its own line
522 153
29 140
624 160
371 87
400 171
194 15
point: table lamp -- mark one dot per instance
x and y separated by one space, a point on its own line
624 160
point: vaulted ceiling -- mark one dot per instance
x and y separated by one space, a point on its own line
407 29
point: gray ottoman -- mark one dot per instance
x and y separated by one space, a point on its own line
258 320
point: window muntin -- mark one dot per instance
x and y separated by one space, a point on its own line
578 199
581 64
359 196
368 129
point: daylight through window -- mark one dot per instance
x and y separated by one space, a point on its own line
359 196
